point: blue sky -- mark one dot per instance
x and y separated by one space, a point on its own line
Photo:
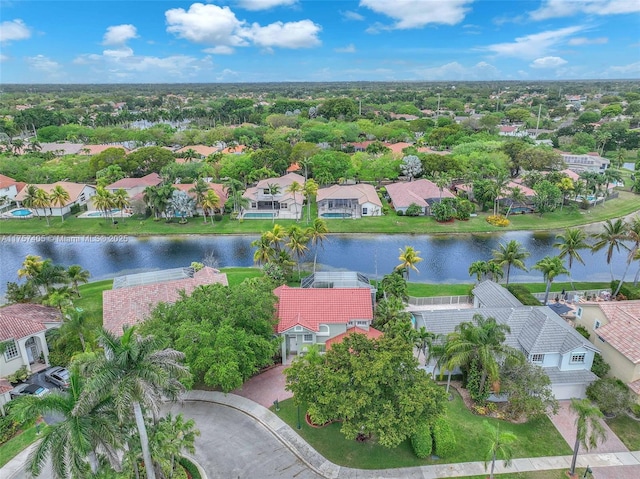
317 40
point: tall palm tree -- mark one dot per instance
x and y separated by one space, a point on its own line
103 201
295 188
59 197
50 275
77 274
200 189
150 195
516 196
408 259
551 267
30 198
481 340
423 341
633 237
42 200
75 325
309 191
297 243
479 269
276 237
612 238
511 254
73 441
317 233
273 189
210 202
31 267
500 182
136 374
264 251
589 429
570 243
121 201
494 271
234 186
499 445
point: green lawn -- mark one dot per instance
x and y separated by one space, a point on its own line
468 428
91 298
434 289
553 474
626 204
17 444
627 429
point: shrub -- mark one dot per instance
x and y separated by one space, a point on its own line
464 208
190 467
473 384
8 428
385 210
611 395
400 213
413 210
627 291
217 217
422 442
442 211
523 294
498 220
635 409
20 375
583 331
443 438
599 367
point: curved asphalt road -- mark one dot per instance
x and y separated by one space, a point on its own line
243 447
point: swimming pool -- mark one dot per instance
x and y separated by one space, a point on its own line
94 214
21 212
336 215
258 215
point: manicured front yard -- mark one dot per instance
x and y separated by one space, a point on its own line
627 429
468 429
17 444
553 474
431 289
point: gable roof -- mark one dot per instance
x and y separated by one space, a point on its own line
74 190
362 192
623 329
370 333
283 182
95 149
311 307
404 193
6 181
152 179
130 305
202 150
219 189
491 293
25 319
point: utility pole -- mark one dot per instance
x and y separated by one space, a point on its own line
538 124
438 112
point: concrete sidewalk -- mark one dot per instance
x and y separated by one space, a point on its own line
621 461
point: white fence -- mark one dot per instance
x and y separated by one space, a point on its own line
438 300
571 295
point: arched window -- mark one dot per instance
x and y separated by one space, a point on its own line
323 330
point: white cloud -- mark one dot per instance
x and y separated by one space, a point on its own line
548 62
567 8
208 24
349 15
264 4
12 30
119 34
3 57
456 71
418 13
588 41
535 45
219 50
302 34
43 64
632 68
351 48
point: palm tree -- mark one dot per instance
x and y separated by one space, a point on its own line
499 445
276 237
494 271
169 438
479 269
317 233
121 201
200 189
423 340
615 232
511 254
309 191
50 275
273 189
408 259
59 298
297 243
589 429
516 196
77 274
234 186
59 197
570 243
29 199
136 374
295 188
150 196
103 201
482 341
210 202
42 201
75 325
551 267
73 441
264 251
31 267
499 184
633 237
441 180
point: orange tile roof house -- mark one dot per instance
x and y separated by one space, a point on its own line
135 186
309 316
133 297
614 327
370 333
421 192
348 201
283 205
79 194
9 187
22 329
202 150
220 190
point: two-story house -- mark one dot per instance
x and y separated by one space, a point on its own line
270 198
538 332
348 201
79 194
614 327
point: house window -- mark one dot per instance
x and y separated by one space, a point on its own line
577 358
323 330
11 351
579 313
254 205
596 324
601 339
298 328
307 338
362 323
284 206
266 191
537 358
365 211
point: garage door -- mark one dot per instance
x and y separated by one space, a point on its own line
568 391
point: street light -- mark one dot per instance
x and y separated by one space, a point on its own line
588 471
299 425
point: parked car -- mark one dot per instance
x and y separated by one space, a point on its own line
28 390
58 376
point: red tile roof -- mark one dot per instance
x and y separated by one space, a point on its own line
363 192
152 179
24 319
220 190
74 190
202 150
370 333
311 307
5 386
6 181
129 306
623 329
404 193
